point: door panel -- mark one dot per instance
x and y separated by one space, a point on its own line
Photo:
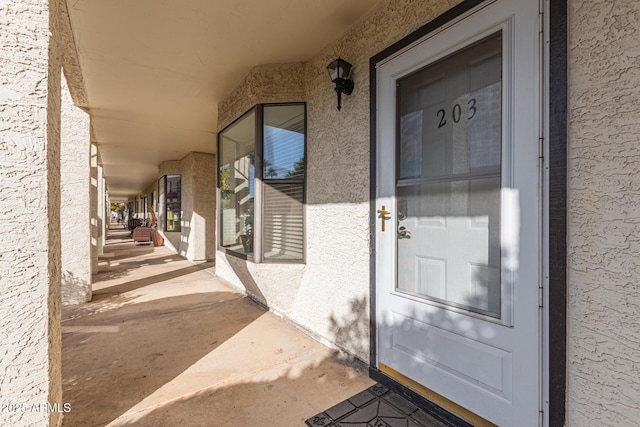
453 353
458 268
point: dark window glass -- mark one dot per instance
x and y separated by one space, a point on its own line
161 204
237 185
174 202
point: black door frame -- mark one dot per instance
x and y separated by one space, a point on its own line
557 209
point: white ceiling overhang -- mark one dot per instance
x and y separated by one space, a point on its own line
156 70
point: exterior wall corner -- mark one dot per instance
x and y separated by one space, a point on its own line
75 207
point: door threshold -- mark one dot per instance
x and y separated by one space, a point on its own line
377 406
427 399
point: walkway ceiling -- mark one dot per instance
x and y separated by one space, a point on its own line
155 70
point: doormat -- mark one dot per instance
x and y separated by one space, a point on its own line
376 406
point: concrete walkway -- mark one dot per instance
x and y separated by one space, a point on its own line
164 343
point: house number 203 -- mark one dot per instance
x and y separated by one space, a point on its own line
456 113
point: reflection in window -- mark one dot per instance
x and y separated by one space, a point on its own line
449 176
283 141
237 183
161 204
174 202
279 228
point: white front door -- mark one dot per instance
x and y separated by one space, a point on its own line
458 227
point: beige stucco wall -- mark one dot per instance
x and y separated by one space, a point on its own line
30 260
196 239
169 167
151 189
264 83
199 205
328 296
604 214
36 42
75 201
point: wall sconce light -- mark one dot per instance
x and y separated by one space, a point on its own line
339 72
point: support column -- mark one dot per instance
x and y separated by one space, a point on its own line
75 209
198 206
101 197
107 211
93 202
30 259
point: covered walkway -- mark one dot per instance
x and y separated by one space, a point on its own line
165 343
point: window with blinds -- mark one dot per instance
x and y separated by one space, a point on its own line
283 225
271 137
283 175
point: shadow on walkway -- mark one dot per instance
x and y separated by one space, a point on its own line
165 343
135 284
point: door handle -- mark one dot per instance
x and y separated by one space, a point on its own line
383 215
403 233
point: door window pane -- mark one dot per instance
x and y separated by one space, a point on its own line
237 186
451 249
449 132
450 114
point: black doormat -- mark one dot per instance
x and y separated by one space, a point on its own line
376 406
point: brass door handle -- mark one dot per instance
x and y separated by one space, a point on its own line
383 215
403 233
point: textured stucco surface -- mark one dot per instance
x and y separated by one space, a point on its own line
170 167
68 53
329 295
196 239
604 214
30 260
75 209
199 205
264 83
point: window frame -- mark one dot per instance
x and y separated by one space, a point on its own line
257 165
161 203
259 186
165 207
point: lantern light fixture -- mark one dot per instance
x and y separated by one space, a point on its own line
339 71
